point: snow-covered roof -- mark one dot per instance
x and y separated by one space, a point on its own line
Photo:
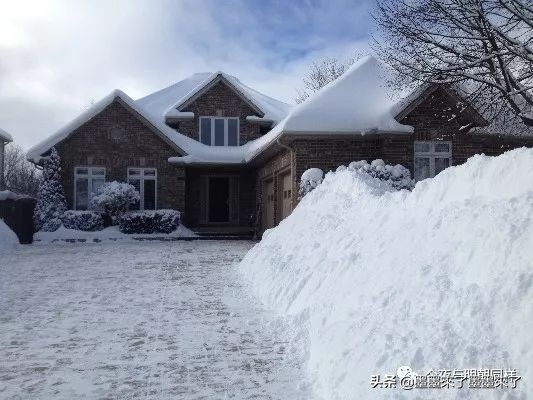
182 143
174 97
355 103
5 137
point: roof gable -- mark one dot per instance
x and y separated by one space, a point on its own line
218 79
38 151
407 105
176 97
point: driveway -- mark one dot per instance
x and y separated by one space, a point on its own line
154 320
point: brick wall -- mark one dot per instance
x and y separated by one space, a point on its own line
220 98
440 117
328 153
117 139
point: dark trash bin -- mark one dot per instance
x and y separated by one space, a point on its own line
18 215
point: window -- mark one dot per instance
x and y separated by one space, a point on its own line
87 181
431 158
218 131
145 181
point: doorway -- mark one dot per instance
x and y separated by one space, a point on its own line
218 199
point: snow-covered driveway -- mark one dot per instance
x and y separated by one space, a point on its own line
151 320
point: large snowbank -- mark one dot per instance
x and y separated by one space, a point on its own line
8 239
440 277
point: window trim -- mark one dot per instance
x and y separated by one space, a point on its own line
431 155
89 176
226 119
143 177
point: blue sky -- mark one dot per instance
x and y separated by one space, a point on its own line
58 56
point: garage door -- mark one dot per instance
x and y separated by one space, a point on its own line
267 204
285 195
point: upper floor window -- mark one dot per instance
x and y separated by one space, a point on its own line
87 181
431 157
219 131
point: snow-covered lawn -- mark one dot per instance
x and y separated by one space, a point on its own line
151 320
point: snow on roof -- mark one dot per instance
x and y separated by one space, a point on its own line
356 102
183 143
159 103
171 98
6 137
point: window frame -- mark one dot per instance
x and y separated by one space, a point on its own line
90 177
142 177
226 130
431 155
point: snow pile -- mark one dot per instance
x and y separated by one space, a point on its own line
440 277
311 178
8 239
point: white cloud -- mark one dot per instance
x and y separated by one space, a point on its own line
58 56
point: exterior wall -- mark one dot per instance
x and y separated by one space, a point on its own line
117 139
440 117
220 101
196 199
328 153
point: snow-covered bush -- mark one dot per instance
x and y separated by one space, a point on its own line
51 203
83 220
114 198
397 175
310 179
160 221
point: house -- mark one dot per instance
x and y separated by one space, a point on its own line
230 158
5 138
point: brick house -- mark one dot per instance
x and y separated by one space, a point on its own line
230 158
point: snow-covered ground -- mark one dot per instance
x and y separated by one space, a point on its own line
157 320
438 278
8 239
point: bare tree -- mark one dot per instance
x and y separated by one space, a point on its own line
320 74
483 46
20 176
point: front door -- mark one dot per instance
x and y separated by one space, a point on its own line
218 199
